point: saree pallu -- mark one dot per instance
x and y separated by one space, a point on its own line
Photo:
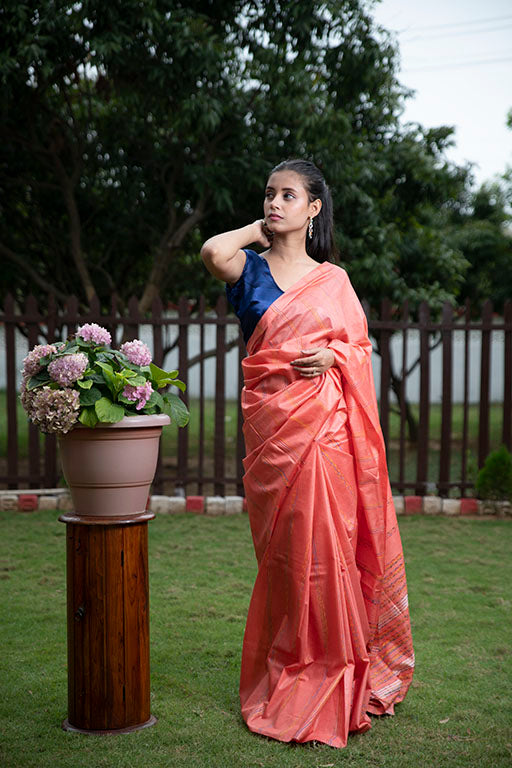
328 637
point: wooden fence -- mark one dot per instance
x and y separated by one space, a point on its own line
429 463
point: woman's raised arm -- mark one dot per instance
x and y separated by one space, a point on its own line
223 255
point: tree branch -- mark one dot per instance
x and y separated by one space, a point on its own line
67 186
168 244
33 275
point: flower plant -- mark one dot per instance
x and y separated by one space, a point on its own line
85 381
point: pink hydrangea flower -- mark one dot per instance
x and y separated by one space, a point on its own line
67 369
137 352
31 362
140 394
94 332
54 410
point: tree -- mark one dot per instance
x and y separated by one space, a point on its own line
131 131
481 233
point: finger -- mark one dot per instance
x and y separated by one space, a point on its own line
312 351
306 361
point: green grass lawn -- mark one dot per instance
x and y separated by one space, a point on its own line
457 713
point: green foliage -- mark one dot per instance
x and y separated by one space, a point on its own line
132 131
494 480
480 232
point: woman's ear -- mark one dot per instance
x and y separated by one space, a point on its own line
315 207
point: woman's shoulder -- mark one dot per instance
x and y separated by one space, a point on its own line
251 254
337 272
252 265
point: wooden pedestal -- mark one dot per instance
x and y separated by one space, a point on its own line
108 625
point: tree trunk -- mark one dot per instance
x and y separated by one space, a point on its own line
169 243
412 424
75 225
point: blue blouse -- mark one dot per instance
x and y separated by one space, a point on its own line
253 293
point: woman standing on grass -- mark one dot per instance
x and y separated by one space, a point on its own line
328 638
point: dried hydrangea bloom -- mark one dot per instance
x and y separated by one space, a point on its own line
26 396
31 364
141 394
55 410
137 352
94 332
67 369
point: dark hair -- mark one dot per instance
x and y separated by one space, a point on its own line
321 246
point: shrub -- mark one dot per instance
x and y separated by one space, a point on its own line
494 480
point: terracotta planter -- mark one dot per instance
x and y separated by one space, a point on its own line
109 468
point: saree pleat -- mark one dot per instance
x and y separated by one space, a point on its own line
328 637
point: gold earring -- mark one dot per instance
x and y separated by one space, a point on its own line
310 228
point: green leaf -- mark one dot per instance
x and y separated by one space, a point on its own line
82 343
158 374
107 411
85 384
104 357
97 378
161 378
89 397
179 384
105 367
39 380
136 381
156 399
88 417
123 399
177 409
108 375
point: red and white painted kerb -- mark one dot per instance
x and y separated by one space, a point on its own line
60 499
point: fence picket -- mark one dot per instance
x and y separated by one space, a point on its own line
50 441
403 412
385 369
485 372
32 321
507 379
200 458
465 412
446 407
219 450
424 425
158 357
10 321
183 321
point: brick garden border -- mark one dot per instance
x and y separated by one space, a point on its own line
59 498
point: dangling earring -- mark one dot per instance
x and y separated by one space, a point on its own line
310 228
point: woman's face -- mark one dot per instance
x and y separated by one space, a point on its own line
286 206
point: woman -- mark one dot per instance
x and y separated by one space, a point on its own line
327 639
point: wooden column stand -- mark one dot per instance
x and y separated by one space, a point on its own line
108 623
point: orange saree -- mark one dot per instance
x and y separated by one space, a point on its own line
328 638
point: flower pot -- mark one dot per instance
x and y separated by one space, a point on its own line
109 468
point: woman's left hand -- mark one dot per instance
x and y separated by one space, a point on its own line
314 362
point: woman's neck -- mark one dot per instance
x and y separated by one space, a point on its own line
288 249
